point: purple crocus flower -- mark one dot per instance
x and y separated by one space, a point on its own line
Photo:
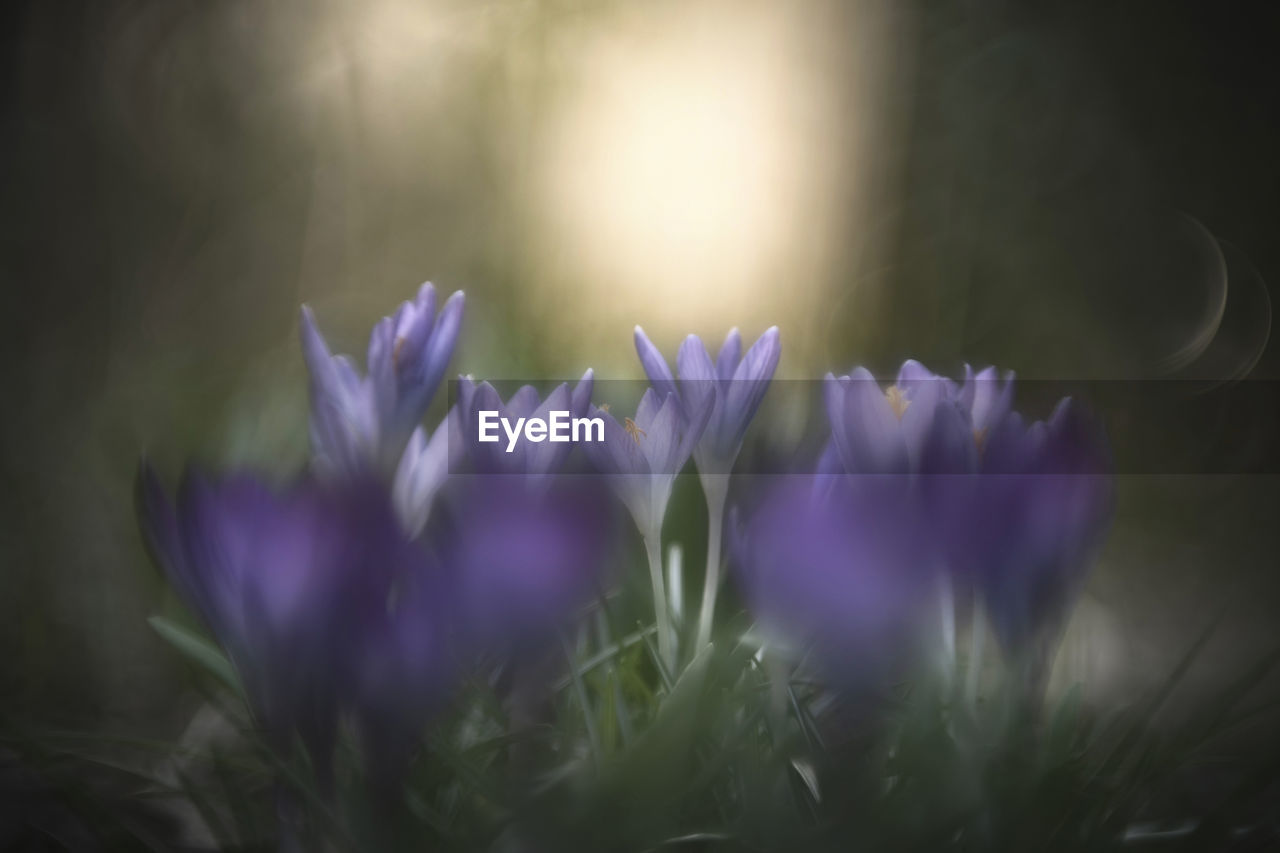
987 396
359 422
1026 527
526 559
402 665
733 387
734 384
881 432
834 571
284 578
537 460
320 601
422 472
643 457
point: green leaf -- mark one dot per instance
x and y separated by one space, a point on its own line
198 650
647 768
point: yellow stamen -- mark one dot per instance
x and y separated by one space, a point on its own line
604 407
980 438
897 401
395 352
632 430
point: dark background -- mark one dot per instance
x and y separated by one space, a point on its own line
1064 174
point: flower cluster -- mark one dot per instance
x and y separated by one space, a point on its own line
924 486
359 590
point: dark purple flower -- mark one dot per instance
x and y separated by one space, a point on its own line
299 586
268 572
526 559
537 459
734 386
361 423
403 664
1024 529
1014 511
834 569
643 456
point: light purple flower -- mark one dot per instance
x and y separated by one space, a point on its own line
734 384
361 423
876 431
422 472
987 396
537 460
643 457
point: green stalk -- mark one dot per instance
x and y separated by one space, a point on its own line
715 489
653 549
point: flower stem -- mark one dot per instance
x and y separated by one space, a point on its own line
653 548
715 488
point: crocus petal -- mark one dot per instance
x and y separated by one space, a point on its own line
381 366
965 395
547 457
1009 447
661 441
581 398
619 458
693 362
650 405
912 373
698 385
872 437
343 420
523 403
948 447
618 454
491 457
694 423
750 381
425 303
992 397
655 366
730 355
422 471
926 395
419 373
315 352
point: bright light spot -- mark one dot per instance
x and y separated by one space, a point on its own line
683 182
